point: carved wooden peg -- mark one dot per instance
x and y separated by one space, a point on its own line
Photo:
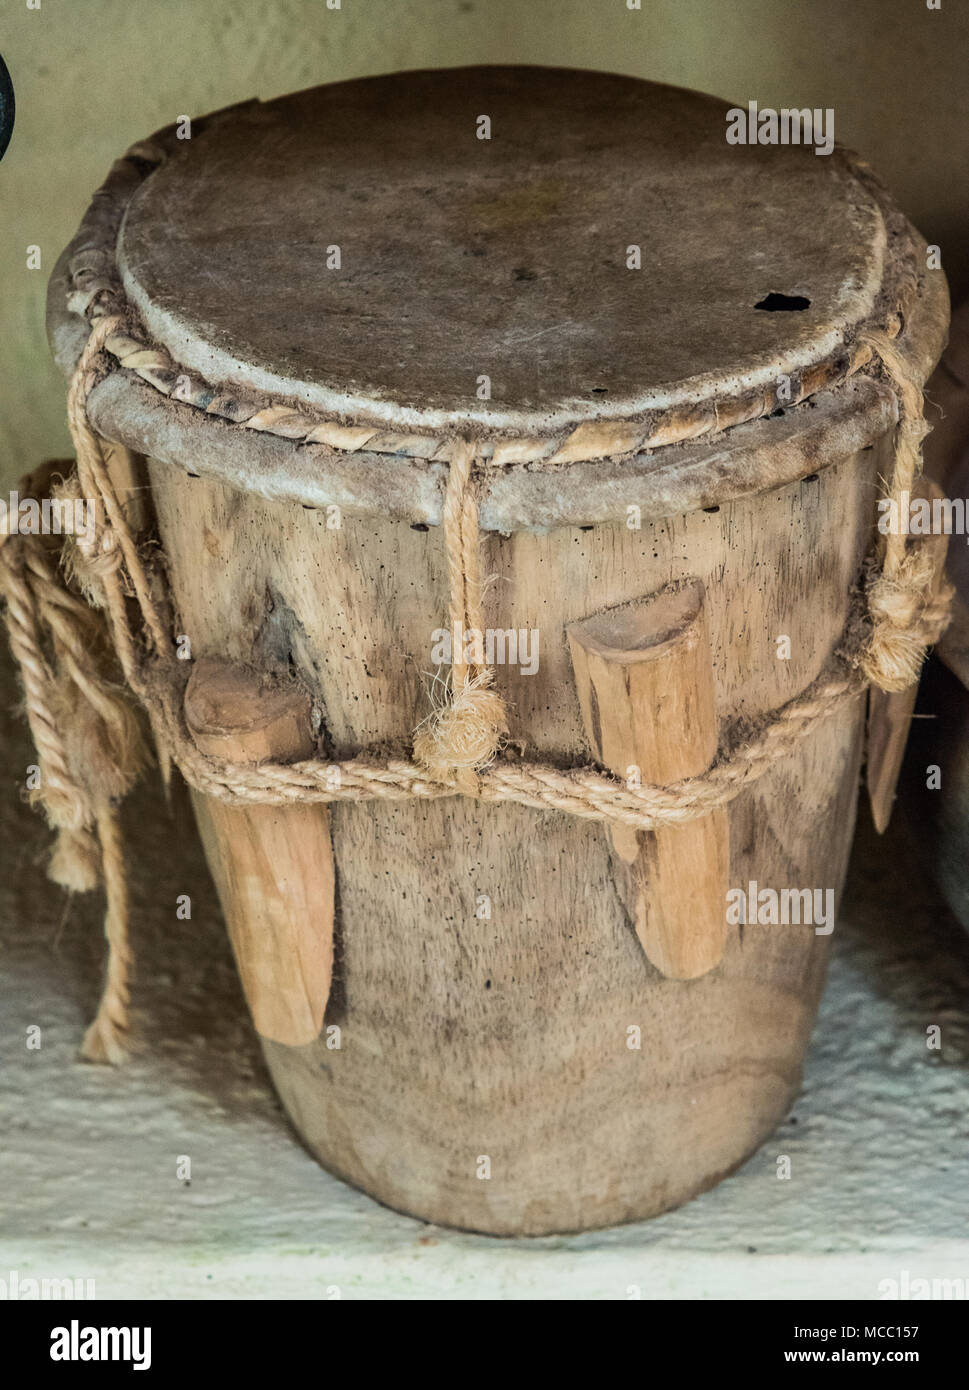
644 677
272 865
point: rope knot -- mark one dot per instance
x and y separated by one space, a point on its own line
907 602
463 736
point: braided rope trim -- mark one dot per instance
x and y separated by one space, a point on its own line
96 292
32 585
584 792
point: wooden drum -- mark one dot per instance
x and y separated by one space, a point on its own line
642 344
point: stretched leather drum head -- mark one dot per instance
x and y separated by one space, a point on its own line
506 258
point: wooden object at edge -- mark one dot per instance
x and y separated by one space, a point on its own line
272 865
644 677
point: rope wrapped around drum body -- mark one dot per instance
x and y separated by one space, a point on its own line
90 750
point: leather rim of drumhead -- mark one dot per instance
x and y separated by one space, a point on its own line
94 289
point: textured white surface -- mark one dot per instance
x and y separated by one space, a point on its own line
878 1141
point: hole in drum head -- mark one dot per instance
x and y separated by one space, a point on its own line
782 303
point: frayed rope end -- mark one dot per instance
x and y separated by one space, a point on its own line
106 1041
465 734
909 614
75 862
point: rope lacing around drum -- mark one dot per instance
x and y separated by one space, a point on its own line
70 692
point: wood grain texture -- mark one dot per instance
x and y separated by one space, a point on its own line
129 478
512 1036
644 678
273 865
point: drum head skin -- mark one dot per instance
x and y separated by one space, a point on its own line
611 301
358 249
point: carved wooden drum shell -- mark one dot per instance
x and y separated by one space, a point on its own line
510 1059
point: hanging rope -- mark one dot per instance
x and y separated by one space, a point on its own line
900 592
89 753
463 735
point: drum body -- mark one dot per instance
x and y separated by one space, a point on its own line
498 1054
539 1038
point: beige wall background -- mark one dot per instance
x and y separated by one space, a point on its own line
92 76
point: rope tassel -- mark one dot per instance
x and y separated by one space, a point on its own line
907 615
89 742
463 736
89 751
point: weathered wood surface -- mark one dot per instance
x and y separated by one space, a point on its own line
510 1036
644 678
129 478
273 865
